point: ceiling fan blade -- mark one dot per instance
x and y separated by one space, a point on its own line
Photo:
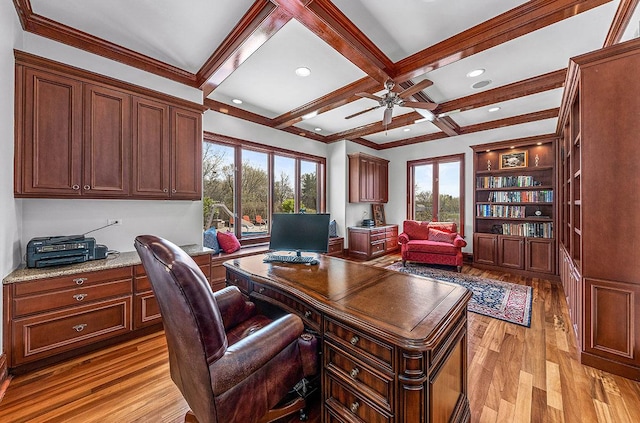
388 115
371 96
362 112
415 88
420 105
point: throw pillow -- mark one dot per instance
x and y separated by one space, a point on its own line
441 236
228 242
210 240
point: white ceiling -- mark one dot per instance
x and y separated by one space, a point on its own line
186 34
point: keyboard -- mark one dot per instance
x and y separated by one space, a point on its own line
276 258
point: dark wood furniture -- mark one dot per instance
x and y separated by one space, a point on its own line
514 224
52 314
598 160
368 179
394 345
367 243
82 135
336 247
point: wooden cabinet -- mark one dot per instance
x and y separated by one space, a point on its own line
515 206
82 135
367 243
53 316
336 247
368 179
598 158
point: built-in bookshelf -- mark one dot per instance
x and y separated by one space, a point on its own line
515 194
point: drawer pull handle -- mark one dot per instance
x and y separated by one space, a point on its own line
80 281
354 340
354 373
261 290
354 407
80 327
80 297
307 314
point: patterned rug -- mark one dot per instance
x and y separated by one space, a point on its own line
501 300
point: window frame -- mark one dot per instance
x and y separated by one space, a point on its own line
435 161
238 145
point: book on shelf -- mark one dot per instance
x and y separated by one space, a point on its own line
491 210
541 196
505 181
529 229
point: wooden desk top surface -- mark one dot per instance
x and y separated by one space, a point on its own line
412 311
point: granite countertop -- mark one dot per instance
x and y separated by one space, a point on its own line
112 261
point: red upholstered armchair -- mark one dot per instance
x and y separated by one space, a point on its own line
431 243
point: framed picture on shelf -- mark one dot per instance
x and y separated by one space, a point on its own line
377 211
513 159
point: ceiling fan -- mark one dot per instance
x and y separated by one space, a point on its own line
393 98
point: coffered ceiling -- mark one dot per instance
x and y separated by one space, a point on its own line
249 50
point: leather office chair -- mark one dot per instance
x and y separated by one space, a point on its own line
230 363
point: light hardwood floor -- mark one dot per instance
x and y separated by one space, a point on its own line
516 374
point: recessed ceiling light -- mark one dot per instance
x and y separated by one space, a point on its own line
318 129
539 143
302 71
407 129
488 151
237 101
310 115
481 84
475 72
513 146
494 109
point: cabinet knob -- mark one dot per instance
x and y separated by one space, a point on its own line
87 187
165 190
80 327
80 297
354 340
261 290
354 373
354 407
307 314
79 281
174 191
76 187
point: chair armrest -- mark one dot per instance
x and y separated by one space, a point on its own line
245 357
459 241
234 308
403 238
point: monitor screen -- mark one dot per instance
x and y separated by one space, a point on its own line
300 232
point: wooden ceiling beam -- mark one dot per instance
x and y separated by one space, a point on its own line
510 121
510 25
255 28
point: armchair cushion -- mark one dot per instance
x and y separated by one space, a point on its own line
441 236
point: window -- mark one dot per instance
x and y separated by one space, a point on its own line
437 189
244 183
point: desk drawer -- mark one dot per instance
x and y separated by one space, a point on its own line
72 281
70 297
377 248
47 334
359 345
351 406
241 282
374 385
309 315
380 236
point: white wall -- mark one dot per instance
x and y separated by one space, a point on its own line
10 209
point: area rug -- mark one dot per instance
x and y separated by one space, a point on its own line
501 300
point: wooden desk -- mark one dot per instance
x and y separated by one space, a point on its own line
394 346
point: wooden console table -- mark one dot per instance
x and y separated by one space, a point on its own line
394 345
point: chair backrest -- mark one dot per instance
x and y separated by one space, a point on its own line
416 229
192 322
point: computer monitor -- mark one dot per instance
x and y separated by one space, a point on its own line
300 232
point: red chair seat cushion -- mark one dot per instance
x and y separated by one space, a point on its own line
422 246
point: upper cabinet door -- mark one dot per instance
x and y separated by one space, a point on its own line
368 179
107 142
52 142
151 148
186 152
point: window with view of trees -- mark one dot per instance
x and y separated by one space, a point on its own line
245 183
437 187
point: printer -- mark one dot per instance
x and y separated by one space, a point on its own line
60 250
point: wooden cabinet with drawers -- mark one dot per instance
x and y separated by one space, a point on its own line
367 243
56 315
336 247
